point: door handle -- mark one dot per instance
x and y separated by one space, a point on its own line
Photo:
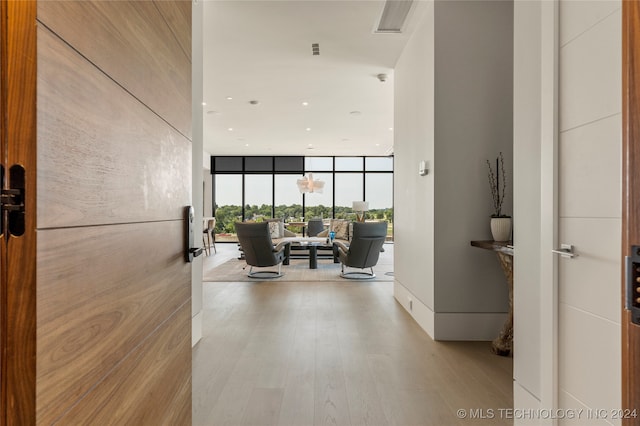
565 250
189 251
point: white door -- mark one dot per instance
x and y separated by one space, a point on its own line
589 205
567 190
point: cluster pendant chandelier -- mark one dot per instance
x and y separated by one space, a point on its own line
307 184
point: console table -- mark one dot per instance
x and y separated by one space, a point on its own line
502 344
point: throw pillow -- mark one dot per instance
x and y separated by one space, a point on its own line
341 228
276 228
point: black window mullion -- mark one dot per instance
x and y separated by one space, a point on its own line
213 195
243 201
304 199
243 182
333 195
364 180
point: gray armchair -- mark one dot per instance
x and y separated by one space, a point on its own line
314 227
259 251
363 250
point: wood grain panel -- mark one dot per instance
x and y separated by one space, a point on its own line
3 251
630 195
103 157
101 291
177 15
150 387
132 43
19 281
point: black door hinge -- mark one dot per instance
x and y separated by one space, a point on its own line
12 200
632 279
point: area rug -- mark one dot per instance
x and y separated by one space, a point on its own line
232 271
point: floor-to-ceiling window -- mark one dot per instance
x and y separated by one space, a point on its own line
228 205
319 204
255 188
258 196
287 202
379 189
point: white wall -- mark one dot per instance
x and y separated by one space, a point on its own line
473 123
196 87
452 109
207 177
527 127
413 194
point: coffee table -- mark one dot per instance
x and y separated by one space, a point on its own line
311 244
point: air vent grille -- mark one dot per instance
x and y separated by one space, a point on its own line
394 16
315 49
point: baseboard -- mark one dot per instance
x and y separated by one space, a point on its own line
468 325
420 312
196 328
449 326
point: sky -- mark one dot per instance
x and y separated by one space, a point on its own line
259 190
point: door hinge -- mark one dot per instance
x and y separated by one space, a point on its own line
12 200
632 281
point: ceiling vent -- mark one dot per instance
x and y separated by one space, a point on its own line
315 49
394 16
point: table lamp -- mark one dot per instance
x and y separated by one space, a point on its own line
360 207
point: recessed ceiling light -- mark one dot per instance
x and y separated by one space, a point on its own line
229 98
230 129
377 144
308 129
310 144
213 112
305 103
246 144
254 102
391 128
204 104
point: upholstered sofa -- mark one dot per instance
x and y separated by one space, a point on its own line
340 226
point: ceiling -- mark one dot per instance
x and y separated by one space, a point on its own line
262 51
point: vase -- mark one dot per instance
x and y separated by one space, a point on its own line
501 228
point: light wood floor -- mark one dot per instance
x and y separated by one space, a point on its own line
338 353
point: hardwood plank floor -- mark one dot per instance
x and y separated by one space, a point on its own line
338 353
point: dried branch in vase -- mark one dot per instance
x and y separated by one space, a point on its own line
498 184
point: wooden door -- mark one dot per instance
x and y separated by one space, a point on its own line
630 196
18 242
108 309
